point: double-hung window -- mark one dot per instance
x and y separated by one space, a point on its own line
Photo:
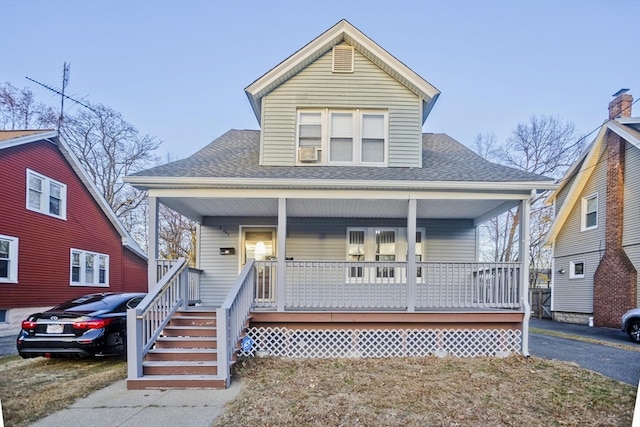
590 212
349 137
8 259
46 195
89 268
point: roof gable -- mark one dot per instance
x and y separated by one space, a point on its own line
15 138
343 31
583 168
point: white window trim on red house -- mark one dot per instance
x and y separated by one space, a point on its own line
85 268
50 190
11 259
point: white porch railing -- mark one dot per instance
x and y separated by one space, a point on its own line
338 285
164 265
232 317
146 321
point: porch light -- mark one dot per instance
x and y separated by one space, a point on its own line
260 251
562 271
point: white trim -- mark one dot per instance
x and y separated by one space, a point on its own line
45 195
82 265
572 269
212 183
12 271
584 203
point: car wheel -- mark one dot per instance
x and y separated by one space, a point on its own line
634 330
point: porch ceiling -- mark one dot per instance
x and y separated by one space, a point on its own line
196 208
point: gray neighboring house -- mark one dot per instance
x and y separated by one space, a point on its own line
339 229
596 233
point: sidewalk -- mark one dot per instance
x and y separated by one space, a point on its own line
117 406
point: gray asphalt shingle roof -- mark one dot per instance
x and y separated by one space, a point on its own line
236 154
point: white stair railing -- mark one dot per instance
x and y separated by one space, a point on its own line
146 321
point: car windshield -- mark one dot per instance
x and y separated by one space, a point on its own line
86 303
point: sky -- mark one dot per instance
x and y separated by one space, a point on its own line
177 70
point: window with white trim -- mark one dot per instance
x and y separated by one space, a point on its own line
380 245
590 212
46 195
8 259
576 269
348 137
89 268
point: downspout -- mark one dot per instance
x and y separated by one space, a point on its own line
524 273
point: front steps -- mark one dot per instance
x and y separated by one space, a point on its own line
185 355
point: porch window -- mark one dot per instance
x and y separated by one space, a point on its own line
89 268
385 251
8 259
46 195
355 251
576 269
350 137
590 212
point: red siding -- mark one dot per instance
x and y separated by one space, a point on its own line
45 241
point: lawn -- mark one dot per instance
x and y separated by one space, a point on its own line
31 389
515 391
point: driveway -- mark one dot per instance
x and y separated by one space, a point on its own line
8 345
619 364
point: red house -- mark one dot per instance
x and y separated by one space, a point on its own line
58 236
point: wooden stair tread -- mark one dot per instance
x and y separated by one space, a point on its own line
180 363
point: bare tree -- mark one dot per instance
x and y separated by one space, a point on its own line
108 147
19 110
544 145
177 235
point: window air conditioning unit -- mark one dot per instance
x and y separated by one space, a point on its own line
308 154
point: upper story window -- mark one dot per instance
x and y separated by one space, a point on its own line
342 137
46 195
89 268
8 259
589 212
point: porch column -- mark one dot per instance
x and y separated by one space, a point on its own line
281 269
525 210
152 269
411 255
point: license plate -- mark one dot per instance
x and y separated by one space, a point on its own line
55 328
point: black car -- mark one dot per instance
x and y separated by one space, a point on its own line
91 325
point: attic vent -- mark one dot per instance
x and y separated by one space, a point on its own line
343 59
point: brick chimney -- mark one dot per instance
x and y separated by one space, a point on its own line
615 279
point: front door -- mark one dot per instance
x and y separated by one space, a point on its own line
260 244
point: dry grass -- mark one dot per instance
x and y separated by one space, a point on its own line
31 389
515 391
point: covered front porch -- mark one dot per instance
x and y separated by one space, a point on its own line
340 275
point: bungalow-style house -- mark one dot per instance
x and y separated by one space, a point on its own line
596 232
338 229
59 238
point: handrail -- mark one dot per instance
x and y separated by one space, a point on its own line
146 321
231 318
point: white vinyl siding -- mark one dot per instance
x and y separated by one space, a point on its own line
89 268
8 259
367 88
45 195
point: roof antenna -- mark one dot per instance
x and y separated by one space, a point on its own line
65 82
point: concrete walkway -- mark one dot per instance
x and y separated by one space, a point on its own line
117 406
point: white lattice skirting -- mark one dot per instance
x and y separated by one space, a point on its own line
371 343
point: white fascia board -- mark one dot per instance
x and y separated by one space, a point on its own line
256 183
127 240
583 175
625 132
342 31
14 142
